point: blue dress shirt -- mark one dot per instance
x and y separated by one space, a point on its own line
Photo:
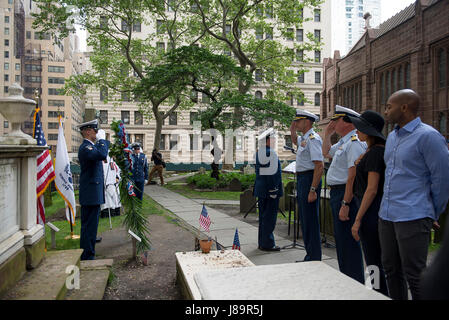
344 154
416 175
309 149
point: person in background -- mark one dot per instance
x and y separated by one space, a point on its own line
368 190
156 157
309 169
139 169
340 178
416 191
268 189
112 196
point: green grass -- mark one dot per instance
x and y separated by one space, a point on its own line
57 203
188 192
149 207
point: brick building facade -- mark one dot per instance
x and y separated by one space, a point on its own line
410 50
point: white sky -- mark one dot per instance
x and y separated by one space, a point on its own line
388 9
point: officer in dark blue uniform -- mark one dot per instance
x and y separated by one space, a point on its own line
139 169
91 154
268 189
309 169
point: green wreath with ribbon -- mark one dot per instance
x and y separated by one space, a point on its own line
134 220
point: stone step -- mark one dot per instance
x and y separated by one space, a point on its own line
93 284
94 275
48 280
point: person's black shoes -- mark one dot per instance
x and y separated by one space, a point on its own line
98 239
275 248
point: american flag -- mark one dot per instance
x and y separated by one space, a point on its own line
45 170
204 219
236 244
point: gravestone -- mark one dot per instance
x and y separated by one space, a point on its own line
235 185
249 170
202 170
247 200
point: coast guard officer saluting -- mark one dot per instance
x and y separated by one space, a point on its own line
91 193
268 189
340 178
309 169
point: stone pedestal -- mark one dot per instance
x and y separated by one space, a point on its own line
20 235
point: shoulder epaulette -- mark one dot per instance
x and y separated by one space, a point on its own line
312 136
354 138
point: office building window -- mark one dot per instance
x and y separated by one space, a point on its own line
138 118
6 42
6 124
53 136
58 69
6 77
6 54
299 35
140 139
53 125
103 93
55 92
205 98
160 47
162 142
6 66
317 99
300 55
301 76
269 34
174 142
55 114
194 117
317 56
6 31
317 76
56 103
317 15
159 26
28 34
173 119
125 117
137 27
17 79
103 116
56 80
17 66
317 35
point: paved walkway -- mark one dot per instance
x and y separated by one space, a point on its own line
223 228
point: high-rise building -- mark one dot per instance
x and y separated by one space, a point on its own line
141 129
348 24
40 63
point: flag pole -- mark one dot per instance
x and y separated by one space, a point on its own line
72 235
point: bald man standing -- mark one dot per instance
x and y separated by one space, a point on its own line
416 192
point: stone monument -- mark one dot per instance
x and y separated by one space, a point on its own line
22 240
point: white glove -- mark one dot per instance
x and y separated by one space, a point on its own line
273 196
101 134
146 181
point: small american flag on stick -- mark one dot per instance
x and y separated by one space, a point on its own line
236 244
204 219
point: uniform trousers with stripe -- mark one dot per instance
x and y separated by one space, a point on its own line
309 216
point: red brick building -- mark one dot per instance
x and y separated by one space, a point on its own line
410 50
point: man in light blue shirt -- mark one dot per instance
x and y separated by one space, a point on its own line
416 192
340 177
309 169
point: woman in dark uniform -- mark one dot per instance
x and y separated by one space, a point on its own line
368 190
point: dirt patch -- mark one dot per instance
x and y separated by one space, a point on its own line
131 279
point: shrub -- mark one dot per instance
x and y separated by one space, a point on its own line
204 181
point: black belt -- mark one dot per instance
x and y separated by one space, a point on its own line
338 186
304 172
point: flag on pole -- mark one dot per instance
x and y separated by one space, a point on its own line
236 244
45 170
63 179
204 219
